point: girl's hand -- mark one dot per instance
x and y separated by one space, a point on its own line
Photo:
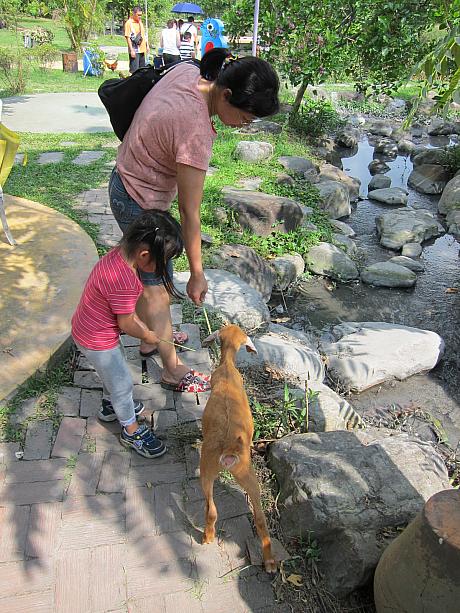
197 288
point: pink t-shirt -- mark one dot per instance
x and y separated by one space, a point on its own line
112 289
171 126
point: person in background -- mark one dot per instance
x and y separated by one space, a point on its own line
190 27
138 46
187 48
170 42
180 23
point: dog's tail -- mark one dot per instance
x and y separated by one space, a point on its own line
231 453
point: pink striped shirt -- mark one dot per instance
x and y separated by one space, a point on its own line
112 289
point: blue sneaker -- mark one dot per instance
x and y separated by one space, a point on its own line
106 412
144 442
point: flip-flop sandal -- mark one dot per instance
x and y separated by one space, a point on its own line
177 336
195 382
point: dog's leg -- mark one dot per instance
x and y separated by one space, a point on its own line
246 477
209 469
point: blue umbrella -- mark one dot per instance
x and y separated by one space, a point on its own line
187 7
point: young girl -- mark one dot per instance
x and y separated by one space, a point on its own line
108 305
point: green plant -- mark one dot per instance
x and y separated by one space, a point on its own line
79 17
315 118
453 158
39 36
44 55
14 71
282 417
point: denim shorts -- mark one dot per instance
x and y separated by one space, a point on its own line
126 210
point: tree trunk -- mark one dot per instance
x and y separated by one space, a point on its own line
298 98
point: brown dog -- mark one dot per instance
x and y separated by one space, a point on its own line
227 436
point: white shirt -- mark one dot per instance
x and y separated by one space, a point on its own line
189 27
170 41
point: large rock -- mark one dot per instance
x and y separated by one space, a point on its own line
328 172
379 182
334 199
450 198
297 165
388 274
285 354
378 167
248 265
263 213
440 127
389 195
262 125
352 490
347 138
343 228
386 147
381 128
411 250
232 297
428 178
453 222
407 262
327 411
330 261
253 150
402 226
361 355
287 268
345 243
430 156
405 146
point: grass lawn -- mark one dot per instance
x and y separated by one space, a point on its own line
55 80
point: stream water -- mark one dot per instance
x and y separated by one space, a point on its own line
426 306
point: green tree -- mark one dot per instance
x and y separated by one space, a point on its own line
81 17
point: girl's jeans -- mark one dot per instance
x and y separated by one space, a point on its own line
117 383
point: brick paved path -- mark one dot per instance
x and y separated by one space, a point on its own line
89 527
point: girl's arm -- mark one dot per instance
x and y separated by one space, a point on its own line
132 325
190 182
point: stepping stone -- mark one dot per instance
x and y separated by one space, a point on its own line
87 157
38 440
51 157
19 159
90 404
68 402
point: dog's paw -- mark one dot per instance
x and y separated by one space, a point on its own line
270 566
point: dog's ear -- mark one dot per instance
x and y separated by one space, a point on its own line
250 347
210 339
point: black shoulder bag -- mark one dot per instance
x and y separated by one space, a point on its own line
122 97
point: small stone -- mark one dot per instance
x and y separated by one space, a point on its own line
379 182
50 157
87 157
378 167
412 250
253 151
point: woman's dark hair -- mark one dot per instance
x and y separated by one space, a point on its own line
162 236
253 82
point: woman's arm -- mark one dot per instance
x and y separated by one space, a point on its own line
190 183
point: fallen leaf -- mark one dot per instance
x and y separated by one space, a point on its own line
148 485
295 580
452 290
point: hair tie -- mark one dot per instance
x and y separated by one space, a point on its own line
228 60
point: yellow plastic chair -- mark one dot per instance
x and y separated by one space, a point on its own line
9 143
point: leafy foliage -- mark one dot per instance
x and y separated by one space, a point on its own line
80 16
14 71
315 117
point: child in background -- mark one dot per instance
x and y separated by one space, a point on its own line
187 48
108 305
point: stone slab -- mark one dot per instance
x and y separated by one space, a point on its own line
44 525
90 404
68 401
36 470
69 437
87 157
114 473
85 475
38 440
14 523
50 157
33 493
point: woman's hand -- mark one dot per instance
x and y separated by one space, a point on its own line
197 288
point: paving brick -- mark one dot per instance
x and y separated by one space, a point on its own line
167 504
211 562
87 378
199 359
176 314
24 411
36 470
84 363
95 531
33 493
154 396
140 513
90 403
8 453
192 460
234 535
87 157
144 605
185 601
229 503
190 407
35 602
156 474
163 421
84 508
114 474
154 370
44 526
21 577
222 597
14 522
255 551
130 341
106 435
151 580
193 331
69 437
73 578
154 550
135 368
68 401
110 593
38 440
86 474
255 589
